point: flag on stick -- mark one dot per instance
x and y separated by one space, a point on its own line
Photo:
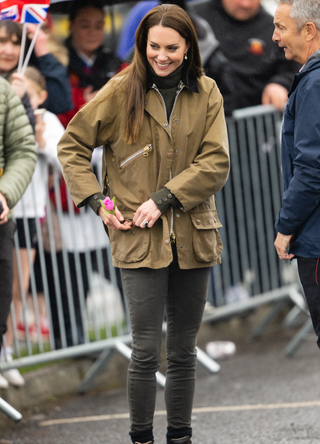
24 11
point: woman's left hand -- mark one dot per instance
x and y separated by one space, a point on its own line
147 212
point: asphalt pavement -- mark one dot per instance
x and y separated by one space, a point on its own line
259 397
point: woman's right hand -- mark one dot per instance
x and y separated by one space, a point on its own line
116 222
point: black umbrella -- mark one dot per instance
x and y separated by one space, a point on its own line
63 6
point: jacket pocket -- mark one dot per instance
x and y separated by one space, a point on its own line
130 246
143 152
206 240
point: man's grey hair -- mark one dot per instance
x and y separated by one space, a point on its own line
303 11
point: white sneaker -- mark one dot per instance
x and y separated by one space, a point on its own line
3 382
220 349
14 377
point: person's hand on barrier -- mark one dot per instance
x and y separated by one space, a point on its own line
282 244
146 215
4 209
276 95
114 222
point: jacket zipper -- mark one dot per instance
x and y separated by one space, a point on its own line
172 235
144 151
179 89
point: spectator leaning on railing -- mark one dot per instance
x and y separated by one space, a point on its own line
18 158
251 69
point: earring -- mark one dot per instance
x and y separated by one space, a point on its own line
185 56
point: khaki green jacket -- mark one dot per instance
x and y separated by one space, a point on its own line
18 154
188 155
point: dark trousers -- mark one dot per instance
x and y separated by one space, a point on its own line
309 272
6 273
183 294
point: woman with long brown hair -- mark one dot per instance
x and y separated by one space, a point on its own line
162 125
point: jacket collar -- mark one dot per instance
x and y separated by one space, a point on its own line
314 56
312 63
189 82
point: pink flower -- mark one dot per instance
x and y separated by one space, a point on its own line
108 204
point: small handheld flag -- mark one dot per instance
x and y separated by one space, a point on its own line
24 11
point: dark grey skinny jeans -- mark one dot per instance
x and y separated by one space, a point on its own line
183 294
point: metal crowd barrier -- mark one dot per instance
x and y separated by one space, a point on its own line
74 304
73 254
251 273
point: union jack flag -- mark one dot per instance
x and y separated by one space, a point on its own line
9 10
24 11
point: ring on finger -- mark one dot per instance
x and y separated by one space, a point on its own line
146 224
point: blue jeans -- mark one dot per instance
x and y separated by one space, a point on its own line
183 294
309 272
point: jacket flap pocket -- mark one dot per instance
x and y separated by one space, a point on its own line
205 221
130 246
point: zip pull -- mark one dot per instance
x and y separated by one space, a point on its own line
146 150
172 238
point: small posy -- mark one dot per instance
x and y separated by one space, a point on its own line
109 205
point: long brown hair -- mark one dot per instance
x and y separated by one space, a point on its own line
168 16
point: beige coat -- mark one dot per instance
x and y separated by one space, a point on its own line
189 156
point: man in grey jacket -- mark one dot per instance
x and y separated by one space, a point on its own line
18 158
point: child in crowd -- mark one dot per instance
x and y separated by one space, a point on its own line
48 131
55 74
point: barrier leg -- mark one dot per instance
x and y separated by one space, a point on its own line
8 410
126 352
293 317
297 340
95 370
207 362
266 321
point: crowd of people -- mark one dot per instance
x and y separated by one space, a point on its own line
164 160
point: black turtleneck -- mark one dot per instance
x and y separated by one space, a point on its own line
167 86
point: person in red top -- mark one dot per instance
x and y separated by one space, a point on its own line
91 65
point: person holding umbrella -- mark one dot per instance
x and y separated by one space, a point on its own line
162 126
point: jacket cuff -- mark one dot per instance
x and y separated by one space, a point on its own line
94 201
280 229
165 199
